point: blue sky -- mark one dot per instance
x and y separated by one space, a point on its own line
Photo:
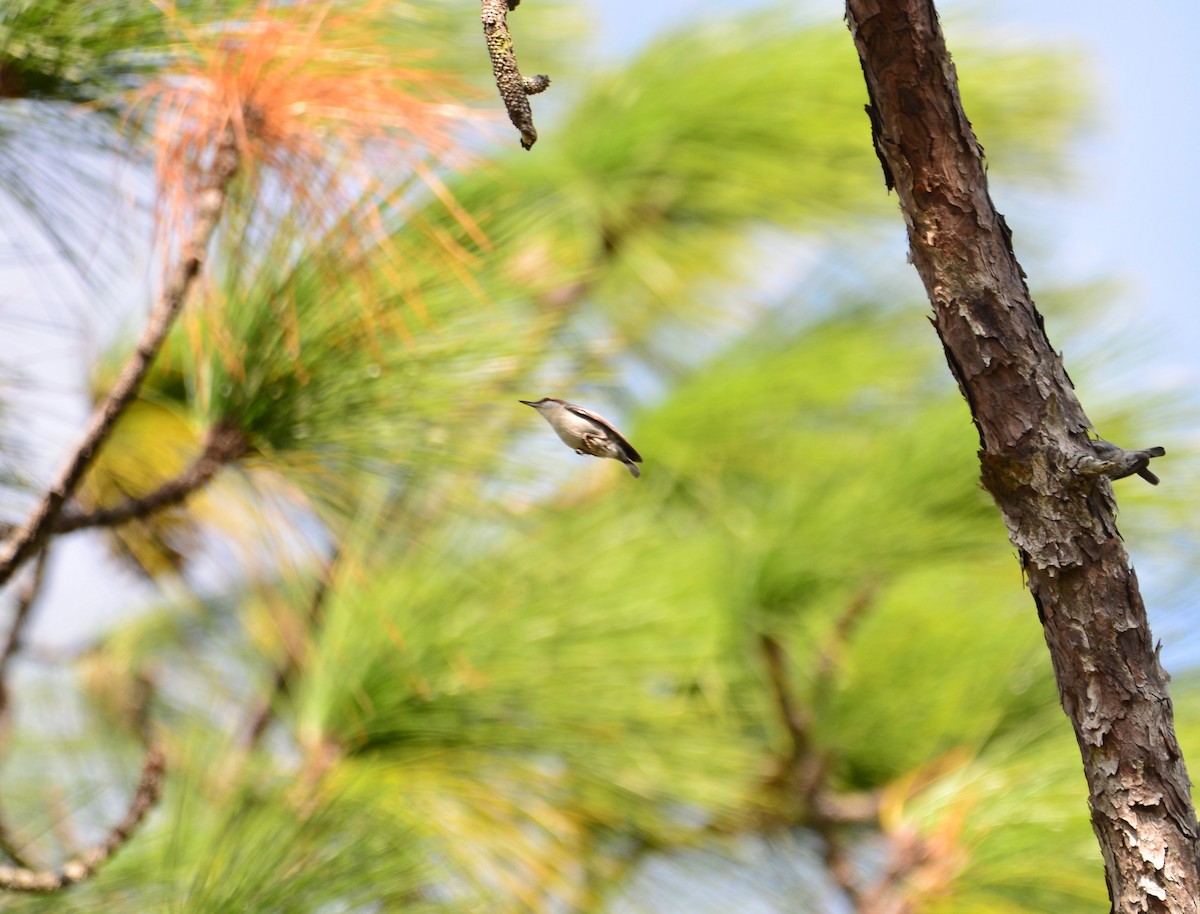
1131 216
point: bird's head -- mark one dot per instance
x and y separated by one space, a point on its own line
544 403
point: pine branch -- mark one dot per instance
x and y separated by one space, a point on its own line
796 722
830 656
81 867
224 444
145 796
12 848
515 89
12 643
210 202
890 894
804 772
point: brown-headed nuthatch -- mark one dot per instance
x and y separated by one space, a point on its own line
585 432
1117 463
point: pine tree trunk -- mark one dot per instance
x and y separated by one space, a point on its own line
1038 462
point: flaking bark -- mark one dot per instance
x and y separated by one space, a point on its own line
1049 479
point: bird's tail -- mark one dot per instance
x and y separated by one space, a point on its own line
633 468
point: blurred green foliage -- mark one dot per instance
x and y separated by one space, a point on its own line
533 684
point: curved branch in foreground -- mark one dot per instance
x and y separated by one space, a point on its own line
81 867
210 201
9 844
12 848
1048 478
223 444
12 642
515 89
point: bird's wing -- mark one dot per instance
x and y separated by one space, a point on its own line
608 426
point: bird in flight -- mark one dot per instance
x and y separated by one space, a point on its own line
586 433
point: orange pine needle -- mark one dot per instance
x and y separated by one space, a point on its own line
308 94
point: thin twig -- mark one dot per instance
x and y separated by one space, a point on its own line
258 723
830 656
796 722
804 772
825 810
21 879
515 89
891 893
149 788
9 844
13 848
224 444
12 643
262 717
803 769
210 201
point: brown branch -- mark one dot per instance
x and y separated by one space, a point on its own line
79 868
210 201
830 656
889 894
913 865
1048 478
803 769
223 444
25 600
261 719
804 772
515 89
12 644
145 796
796 723
13 849
919 867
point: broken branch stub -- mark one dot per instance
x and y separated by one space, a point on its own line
515 89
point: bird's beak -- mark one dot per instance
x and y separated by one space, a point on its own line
532 403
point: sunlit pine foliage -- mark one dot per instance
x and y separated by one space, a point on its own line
533 684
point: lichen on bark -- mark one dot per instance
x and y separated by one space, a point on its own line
515 89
